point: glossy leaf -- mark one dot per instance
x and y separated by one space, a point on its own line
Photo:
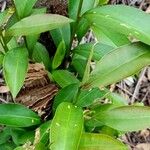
38 24
91 141
88 97
41 55
66 128
67 94
59 55
16 115
125 118
109 37
24 8
15 65
115 17
64 78
119 64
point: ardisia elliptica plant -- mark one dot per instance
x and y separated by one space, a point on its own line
79 119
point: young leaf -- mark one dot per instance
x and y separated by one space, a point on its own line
38 24
16 115
64 78
24 8
125 118
66 128
15 66
67 94
91 141
60 34
115 17
119 64
59 55
40 54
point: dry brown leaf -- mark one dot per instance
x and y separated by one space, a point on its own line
142 146
4 89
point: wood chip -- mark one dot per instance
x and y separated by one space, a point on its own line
4 89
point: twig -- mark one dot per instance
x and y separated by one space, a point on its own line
138 85
2 100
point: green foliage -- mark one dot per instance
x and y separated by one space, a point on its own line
67 127
38 23
16 115
81 72
15 65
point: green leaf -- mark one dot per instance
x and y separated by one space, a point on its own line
16 115
88 97
74 6
41 55
116 99
119 64
32 39
26 137
2 17
4 135
82 28
125 118
102 2
99 50
91 141
24 8
67 94
7 146
60 34
59 55
66 128
1 58
115 17
44 132
64 78
109 37
15 66
36 24
79 64
88 66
